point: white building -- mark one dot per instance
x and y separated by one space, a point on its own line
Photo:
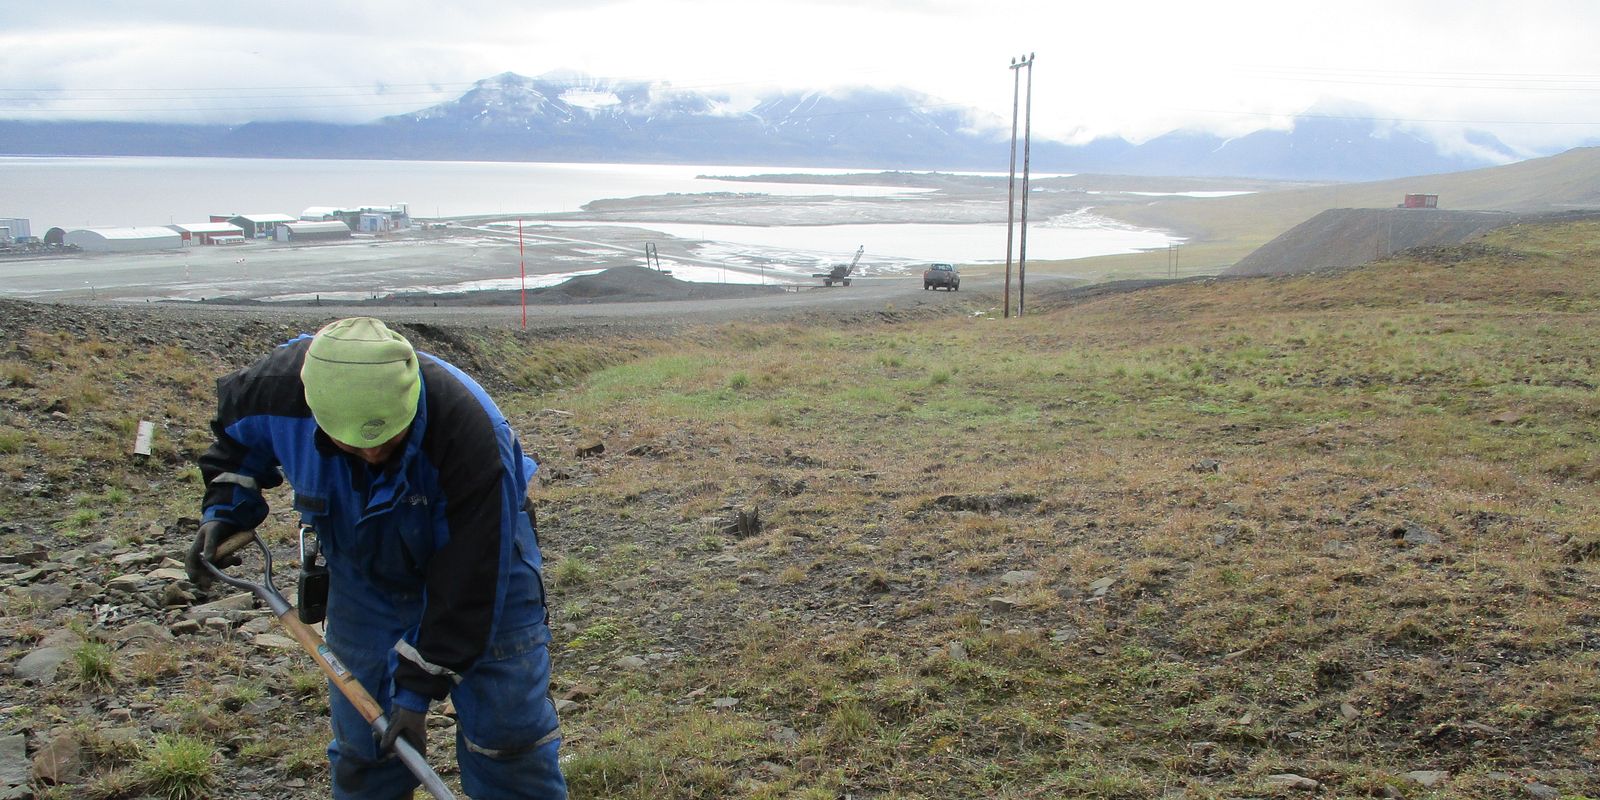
14 229
366 219
312 231
123 240
209 232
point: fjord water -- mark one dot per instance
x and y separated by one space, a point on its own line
126 191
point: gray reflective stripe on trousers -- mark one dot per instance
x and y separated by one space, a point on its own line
491 753
238 480
410 653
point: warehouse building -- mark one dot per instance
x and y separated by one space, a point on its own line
255 226
209 233
123 240
366 219
312 231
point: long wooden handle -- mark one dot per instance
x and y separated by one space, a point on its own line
344 680
338 675
234 544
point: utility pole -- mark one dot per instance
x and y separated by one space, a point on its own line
1011 185
1027 147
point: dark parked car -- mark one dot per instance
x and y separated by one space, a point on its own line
941 276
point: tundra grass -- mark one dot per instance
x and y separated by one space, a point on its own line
1211 488
1170 542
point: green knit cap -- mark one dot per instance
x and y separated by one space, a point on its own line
362 381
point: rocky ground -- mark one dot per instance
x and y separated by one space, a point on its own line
1243 555
107 650
1347 237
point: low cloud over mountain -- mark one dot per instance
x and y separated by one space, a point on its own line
574 117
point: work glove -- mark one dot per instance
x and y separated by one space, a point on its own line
411 724
204 549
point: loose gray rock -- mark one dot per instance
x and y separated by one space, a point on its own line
1427 778
1002 604
62 637
173 594
243 601
60 761
145 633
135 559
47 596
38 555
261 624
15 769
1289 780
125 583
632 663
272 641
41 665
31 575
1019 577
1410 534
1541 791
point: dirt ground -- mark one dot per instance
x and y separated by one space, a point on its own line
1347 237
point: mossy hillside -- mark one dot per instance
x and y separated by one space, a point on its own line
1177 540
1242 459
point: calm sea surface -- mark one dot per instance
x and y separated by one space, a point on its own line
111 192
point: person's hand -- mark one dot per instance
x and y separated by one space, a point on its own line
204 549
411 724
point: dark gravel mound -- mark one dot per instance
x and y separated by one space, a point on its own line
1348 237
640 285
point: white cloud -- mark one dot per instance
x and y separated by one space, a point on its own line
1526 72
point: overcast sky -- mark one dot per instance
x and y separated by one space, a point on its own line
1527 71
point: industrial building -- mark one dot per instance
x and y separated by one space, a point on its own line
365 219
209 233
312 231
123 240
14 230
255 226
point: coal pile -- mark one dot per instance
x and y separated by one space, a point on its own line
640 285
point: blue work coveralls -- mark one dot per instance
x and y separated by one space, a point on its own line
434 569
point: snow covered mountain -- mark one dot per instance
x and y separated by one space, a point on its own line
569 116
574 117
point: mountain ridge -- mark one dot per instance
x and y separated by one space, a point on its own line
571 117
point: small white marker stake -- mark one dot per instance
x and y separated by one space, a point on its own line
147 431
